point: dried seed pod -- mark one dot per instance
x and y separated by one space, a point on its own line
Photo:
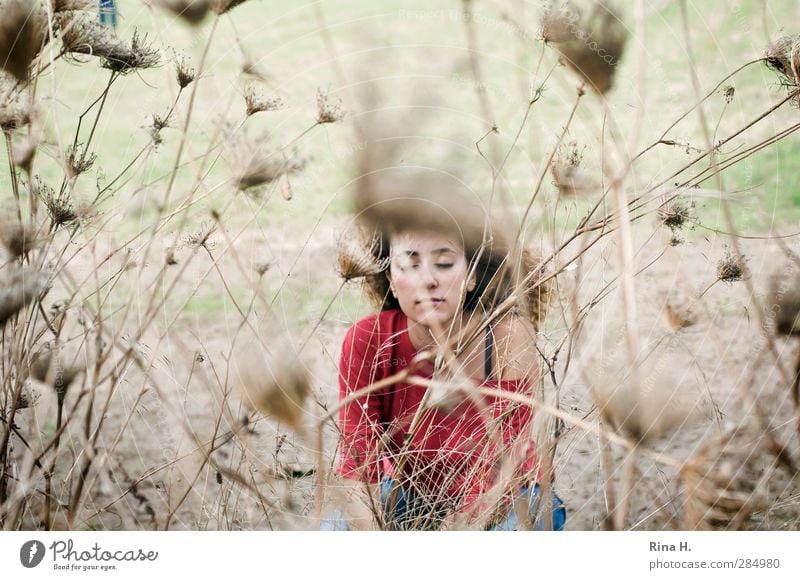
255 103
731 268
83 35
676 214
191 11
49 367
649 409
18 287
593 46
254 167
720 482
23 33
18 239
678 316
273 380
357 260
328 111
557 22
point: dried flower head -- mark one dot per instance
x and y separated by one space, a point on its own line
72 5
357 260
570 180
13 114
23 33
592 46
254 167
780 56
184 73
201 238
272 379
48 366
731 268
17 239
643 402
678 316
223 6
784 305
327 110
77 160
676 214
191 11
83 35
728 93
720 481
23 152
18 287
557 22
255 103
59 205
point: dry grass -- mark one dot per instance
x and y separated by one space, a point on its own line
148 376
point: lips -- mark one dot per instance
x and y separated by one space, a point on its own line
431 300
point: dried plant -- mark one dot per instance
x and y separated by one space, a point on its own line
678 316
273 380
23 32
224 6
254 167
86 36
184 73
731 268
255 103
568 176
191 11
721 482
59 205
357 260
676 214
77 160
557 22
17 239
24 151
328 111
19 287
592 47
642 402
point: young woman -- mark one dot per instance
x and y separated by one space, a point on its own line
429 460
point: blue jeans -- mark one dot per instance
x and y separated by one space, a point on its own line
409 511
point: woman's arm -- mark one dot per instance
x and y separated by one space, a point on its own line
360 421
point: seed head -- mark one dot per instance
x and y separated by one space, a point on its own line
570 180
223 6
255 103
731 268
190 11
327 110
23 33
273 380
184 73
357 260
676 214
592 47
17 239
77 160
254 166
18 287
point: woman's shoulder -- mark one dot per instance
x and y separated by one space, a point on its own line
515 340
374 328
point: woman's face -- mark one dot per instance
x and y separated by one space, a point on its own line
428 276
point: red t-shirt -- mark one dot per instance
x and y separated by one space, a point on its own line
453 455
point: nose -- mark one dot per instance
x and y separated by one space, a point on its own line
428 277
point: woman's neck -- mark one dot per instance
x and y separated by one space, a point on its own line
423 337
